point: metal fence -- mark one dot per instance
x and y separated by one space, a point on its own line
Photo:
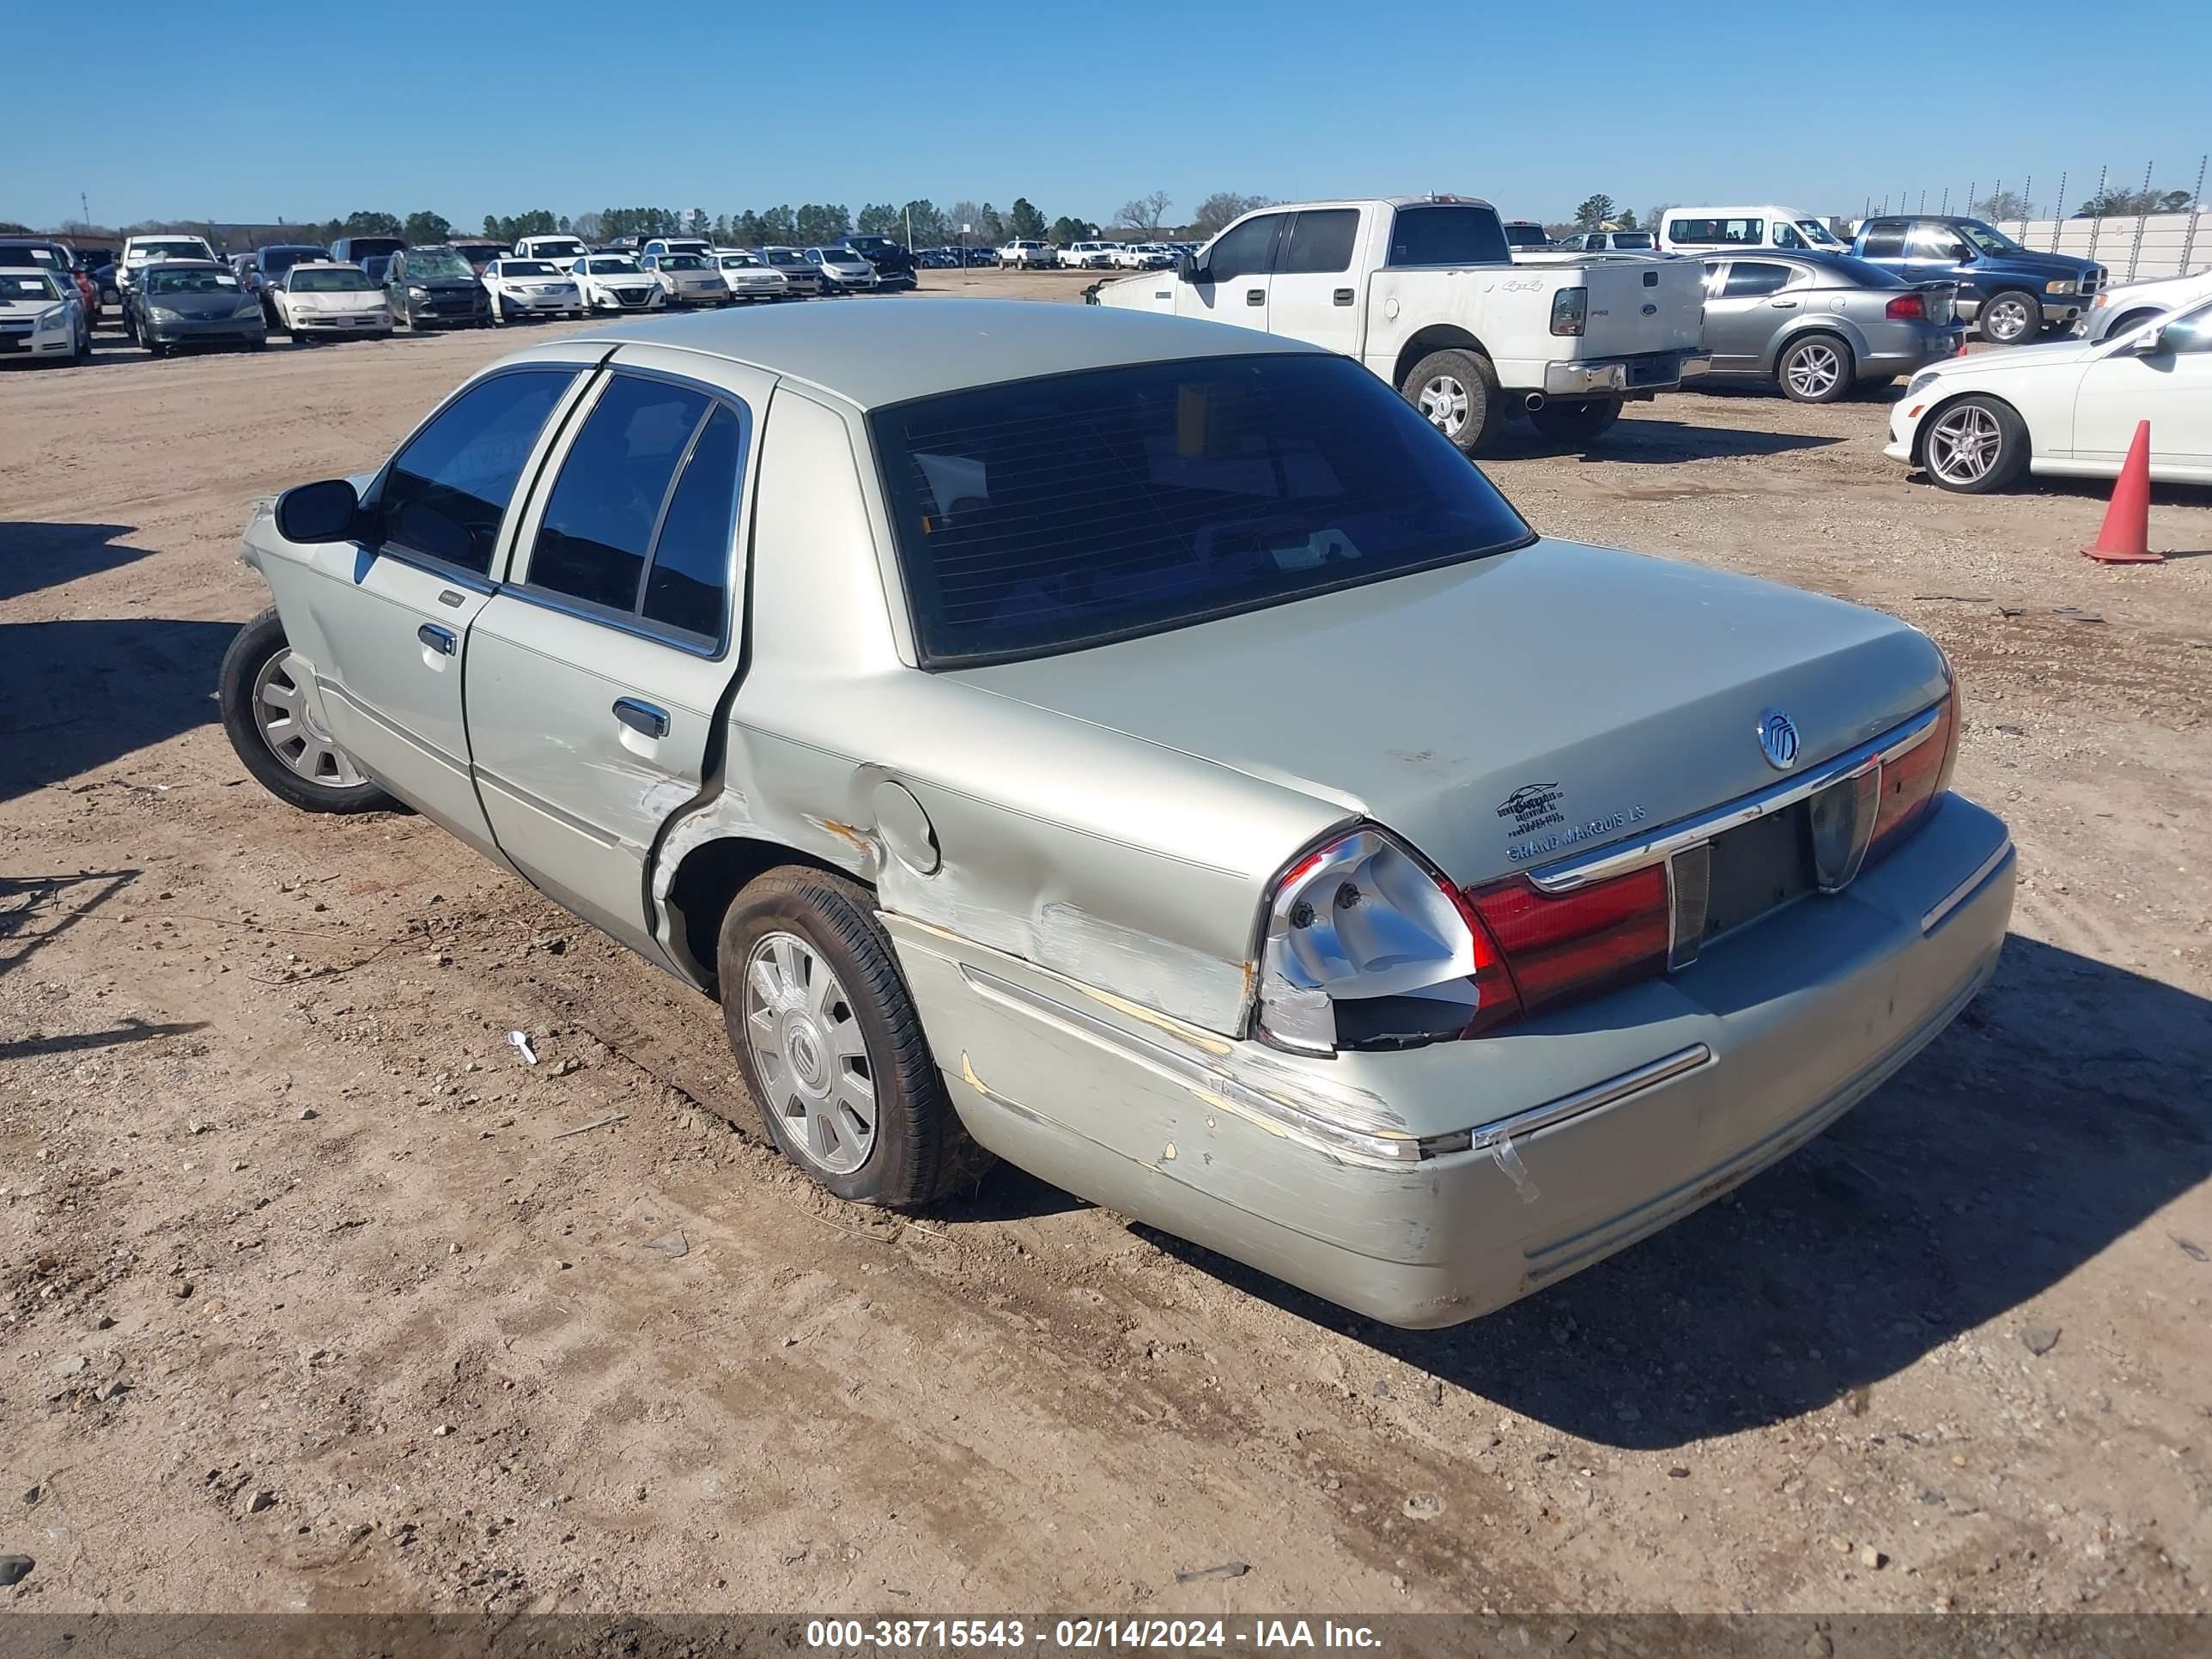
2133 247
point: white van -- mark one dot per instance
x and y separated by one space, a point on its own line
1702 230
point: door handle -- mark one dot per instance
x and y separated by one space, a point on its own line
1255 296
1342 297
439 639
641 717
1785 304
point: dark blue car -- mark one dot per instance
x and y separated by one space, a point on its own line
2011 294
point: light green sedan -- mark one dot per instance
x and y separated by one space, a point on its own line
1147 751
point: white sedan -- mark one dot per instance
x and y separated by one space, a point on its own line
2122 310
41 314
615 282
749 276
2067 410
531 288
318 300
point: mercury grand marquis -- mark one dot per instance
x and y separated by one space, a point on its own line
1145 751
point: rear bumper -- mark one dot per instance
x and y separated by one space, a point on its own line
1604 1122
1657 371
1903 353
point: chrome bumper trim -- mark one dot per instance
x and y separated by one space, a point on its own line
1967 889
1654 845
1551 1113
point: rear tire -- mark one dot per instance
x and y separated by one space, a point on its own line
254 676
826 1035
1457 393
1975 446
1575 420
1815 368
2011 318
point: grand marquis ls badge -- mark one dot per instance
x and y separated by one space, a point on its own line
1777 739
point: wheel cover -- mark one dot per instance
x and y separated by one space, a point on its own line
1815 369
810 1054
1963 445
2008 319
280 714
1444 401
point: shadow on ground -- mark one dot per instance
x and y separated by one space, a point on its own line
78 696
36 556
2069 1105
1654 443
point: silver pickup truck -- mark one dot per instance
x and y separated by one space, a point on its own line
1424 291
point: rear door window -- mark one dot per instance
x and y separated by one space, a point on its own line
444 495
1320 240
641 523
1885 239
1754 276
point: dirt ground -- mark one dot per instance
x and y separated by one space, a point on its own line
314 1295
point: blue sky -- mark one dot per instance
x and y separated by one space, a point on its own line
578 104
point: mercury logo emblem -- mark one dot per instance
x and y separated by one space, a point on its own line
1777 738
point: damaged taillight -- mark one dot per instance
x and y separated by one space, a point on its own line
1367 947
1913 783
1560 947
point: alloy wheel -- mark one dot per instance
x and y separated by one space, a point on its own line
809 1054
289 727
2006 321
1814 370
1443 400
1963 445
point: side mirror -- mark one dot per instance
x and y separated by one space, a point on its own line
314 513
2151 341
1188 269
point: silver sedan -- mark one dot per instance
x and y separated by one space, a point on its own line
1817 325
1145 750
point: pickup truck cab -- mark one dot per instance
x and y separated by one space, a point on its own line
1702 230
1425 292
139 251
563 251
2009 292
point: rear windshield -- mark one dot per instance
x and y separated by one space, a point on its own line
526 268
188 248
274 259
1448 236
615 268
1050 514
1857 273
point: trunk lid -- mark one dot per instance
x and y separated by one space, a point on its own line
1512 711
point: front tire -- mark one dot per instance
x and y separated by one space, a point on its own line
1458 393
1975 446
1575 420
2128 323
264 712
2009 319
826 1034
1816 368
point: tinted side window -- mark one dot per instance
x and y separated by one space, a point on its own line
1448 236
1885 239
1247 249
599 521
1321 242
448 490
1937 242
1748 276
690 572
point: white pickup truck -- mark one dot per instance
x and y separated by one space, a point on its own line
1425 292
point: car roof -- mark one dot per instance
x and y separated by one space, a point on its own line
196 265
872 355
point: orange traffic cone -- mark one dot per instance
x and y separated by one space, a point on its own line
2125 539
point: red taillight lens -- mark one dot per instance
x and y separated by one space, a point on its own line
1912 783
1574 945
1904 309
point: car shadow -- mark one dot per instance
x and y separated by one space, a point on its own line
78 696
2070 1104
1640 442
35 555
